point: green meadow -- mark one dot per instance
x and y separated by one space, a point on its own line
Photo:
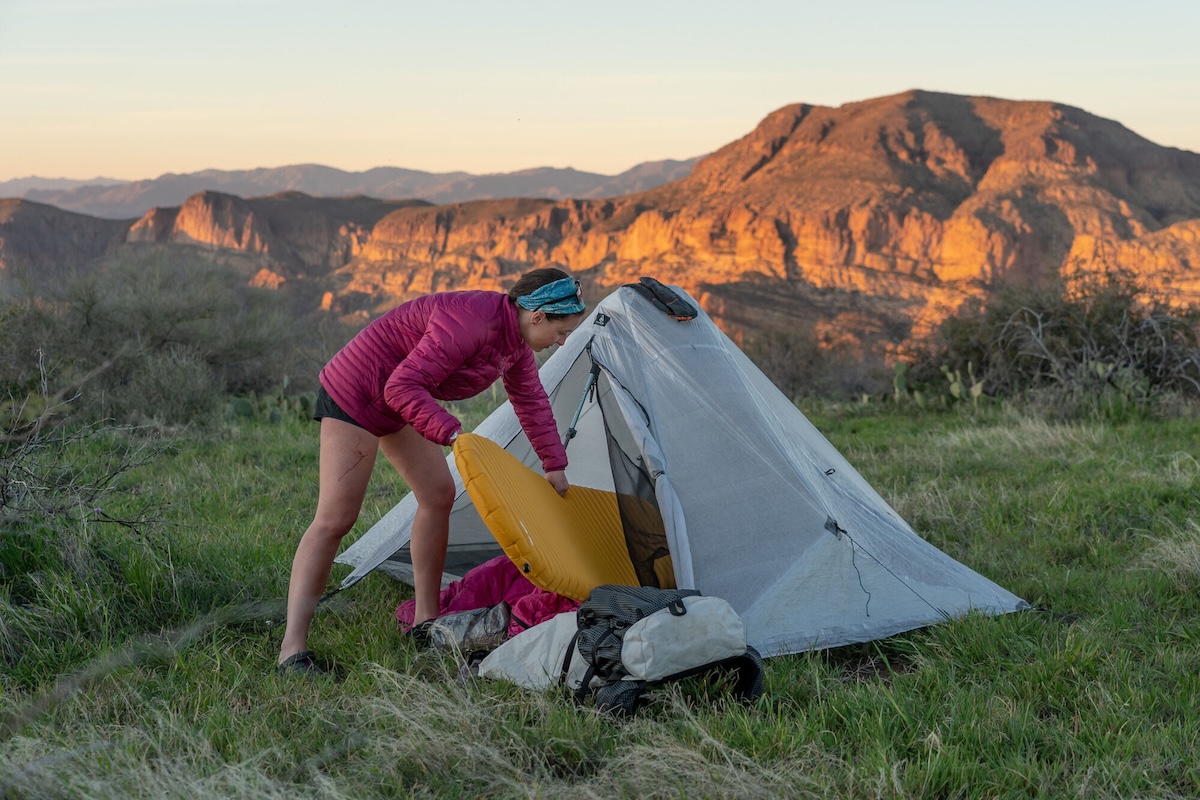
142 574
157 466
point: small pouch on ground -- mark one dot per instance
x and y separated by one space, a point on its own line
464 631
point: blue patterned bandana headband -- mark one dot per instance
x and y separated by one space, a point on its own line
563 296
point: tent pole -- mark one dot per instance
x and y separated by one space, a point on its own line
589 387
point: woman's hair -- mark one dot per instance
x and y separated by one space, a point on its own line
535 279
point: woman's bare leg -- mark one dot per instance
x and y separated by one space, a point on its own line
347 458
422 464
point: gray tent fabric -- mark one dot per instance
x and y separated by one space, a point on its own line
758 507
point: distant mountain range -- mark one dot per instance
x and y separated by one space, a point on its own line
871 221
114 199
18 187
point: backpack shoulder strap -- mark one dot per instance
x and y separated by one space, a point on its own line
585 686
570 654
582 692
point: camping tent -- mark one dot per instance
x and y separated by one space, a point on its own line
753 504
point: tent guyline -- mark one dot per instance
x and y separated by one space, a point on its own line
840 532
720 483
858 573
885 568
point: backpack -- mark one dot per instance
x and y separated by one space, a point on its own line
632 638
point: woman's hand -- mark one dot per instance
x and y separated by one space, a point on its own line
558 479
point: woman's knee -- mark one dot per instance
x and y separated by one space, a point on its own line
334 524
437 495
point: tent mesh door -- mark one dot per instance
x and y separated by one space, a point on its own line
645 535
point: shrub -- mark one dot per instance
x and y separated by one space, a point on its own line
801 364
1093 343
61 578
158 339
174 384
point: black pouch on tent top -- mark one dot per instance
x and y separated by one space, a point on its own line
664 298
633 638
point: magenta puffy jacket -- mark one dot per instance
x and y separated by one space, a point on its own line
444 346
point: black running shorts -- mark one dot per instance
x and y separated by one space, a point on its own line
326 407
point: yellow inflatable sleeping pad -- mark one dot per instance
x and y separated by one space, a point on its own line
567 545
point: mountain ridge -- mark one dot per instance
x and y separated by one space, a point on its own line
872 220
15 188
131 199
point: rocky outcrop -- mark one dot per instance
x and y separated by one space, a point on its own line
286 236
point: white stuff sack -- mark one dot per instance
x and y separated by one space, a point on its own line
662 644
533 659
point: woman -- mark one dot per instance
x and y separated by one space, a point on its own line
380 392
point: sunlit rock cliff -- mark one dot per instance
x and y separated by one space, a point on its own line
903 205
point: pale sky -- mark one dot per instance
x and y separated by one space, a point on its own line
135 88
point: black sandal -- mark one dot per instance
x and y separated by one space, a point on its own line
302 663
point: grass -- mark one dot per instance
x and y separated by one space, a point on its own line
146 671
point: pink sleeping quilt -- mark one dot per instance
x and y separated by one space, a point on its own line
488 584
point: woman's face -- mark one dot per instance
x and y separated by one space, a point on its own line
539 331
